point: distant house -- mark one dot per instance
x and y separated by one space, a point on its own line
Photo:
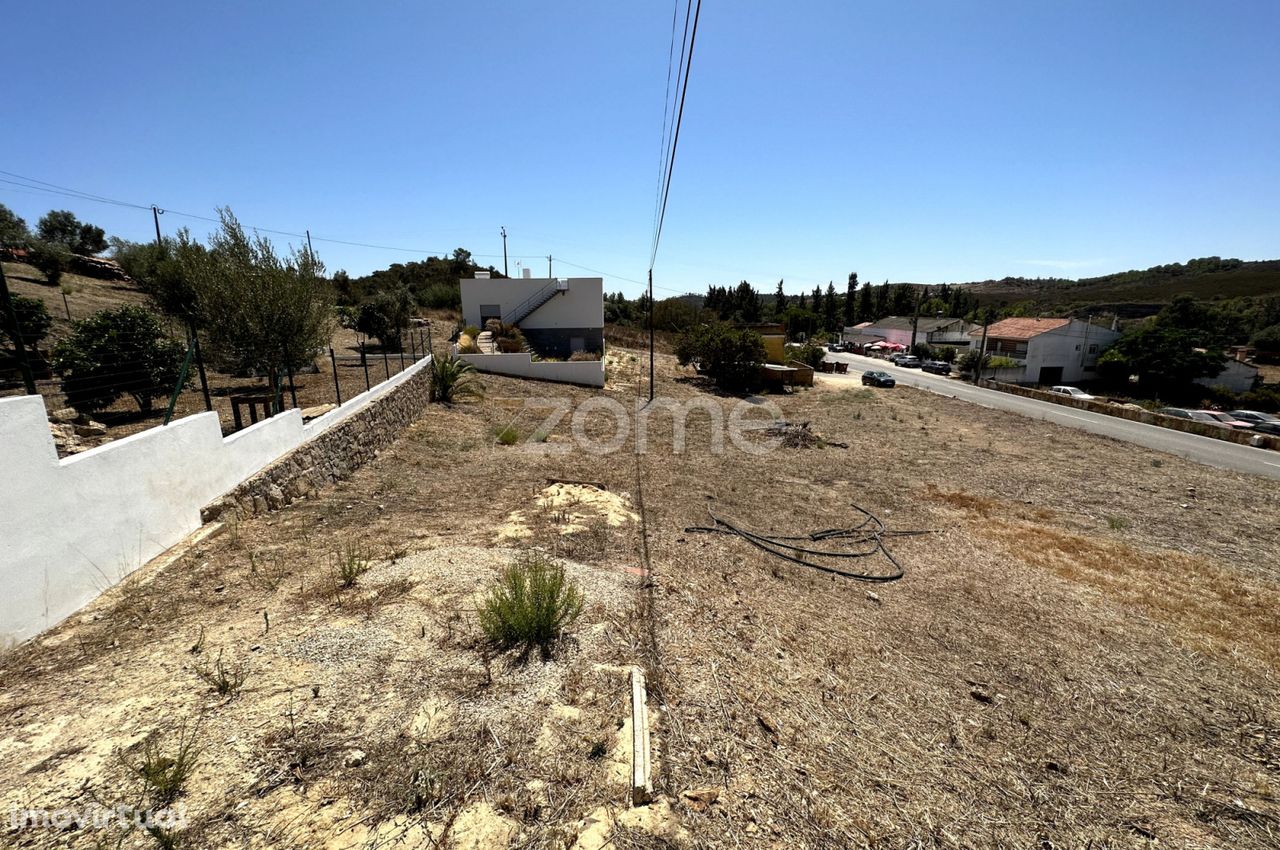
1235 376
558 316
1046 351
775 340
908 330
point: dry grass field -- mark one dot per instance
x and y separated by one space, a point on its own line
1082 653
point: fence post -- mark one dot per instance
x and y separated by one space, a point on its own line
337 389
293 392
177 388
401 347
386 368
413 346
364 361
204 381
431 346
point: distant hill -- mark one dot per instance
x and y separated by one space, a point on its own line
1137 293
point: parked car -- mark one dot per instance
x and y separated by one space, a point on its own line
1272 428
878 379
896 356
1227 419
937 367
1195 415
1254 417
909 361
1073 392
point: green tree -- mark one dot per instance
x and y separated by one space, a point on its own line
1267 341
1165 359
118 352
385 316
13 229
865 308
746 302
259 310
33 321
63 228
50 258
779 300
851 301
830 310
730 356
161 271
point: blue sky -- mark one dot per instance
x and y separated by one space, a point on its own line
921 141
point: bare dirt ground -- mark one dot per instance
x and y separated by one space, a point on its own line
1082 653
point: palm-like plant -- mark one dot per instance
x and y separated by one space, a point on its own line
453 379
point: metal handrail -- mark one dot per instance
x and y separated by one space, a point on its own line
533 302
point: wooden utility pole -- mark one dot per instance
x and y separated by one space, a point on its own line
155 214
15 333
548 266
309 250
504 252
982 348
650 334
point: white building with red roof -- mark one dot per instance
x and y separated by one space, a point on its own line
1047 351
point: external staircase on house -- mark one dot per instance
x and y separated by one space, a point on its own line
520 312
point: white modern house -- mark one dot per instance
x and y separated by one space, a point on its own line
559 317
1046 351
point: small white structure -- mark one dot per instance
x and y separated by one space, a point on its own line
1235 376
1047 351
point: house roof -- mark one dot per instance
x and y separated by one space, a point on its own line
904 323
861 339
1020 328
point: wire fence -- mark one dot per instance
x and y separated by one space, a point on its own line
88 407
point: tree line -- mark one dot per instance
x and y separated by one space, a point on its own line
819 312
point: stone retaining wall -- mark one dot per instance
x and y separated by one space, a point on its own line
1191 426
329 457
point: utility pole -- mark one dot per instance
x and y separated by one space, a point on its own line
915 321
650 335
548 266
155 214
982 349
309 249
15 331
504 252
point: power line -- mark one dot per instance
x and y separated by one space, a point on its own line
675 139
66 191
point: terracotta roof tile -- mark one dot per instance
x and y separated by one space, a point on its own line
1018 328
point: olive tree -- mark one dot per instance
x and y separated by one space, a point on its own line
259 310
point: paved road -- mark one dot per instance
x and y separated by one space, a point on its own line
1205 450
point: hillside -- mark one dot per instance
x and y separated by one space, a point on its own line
1138 292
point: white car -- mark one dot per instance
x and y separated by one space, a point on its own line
1074 392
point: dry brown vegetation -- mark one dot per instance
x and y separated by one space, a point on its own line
1081 654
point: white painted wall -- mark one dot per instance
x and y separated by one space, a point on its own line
580 306
71 528
587 373
1235 376
1068 347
